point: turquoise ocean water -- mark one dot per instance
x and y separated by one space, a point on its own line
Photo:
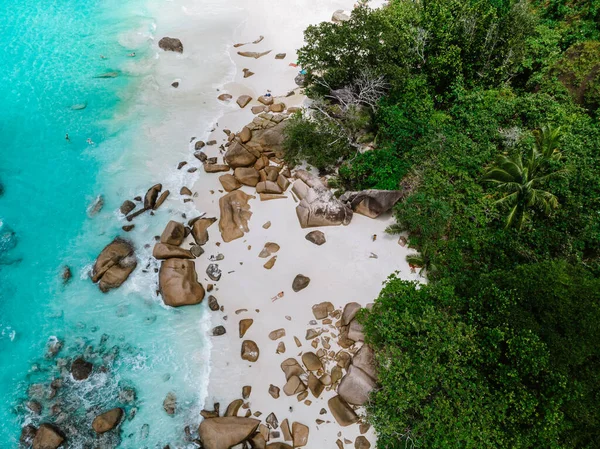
50 58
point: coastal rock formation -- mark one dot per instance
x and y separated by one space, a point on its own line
247 176
250 351
200 230
161 199
225 432
299 434
318 205
48 436
229 182
224 97
341 411
127 207
356 386
316 237
350 311
243 100
372 203
171 44
163 251
235 213
311 361
240 155
151 196
107 420
173 234
81 369
245 325
179 284
361 443
114 265
365 360
170 403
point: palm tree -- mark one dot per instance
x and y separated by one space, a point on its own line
520 179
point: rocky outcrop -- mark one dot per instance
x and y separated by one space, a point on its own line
48 436
107 420
114 265
240 155
164 251
179 284
225 432
318 205
235 213
372 203
173 234
81 369
151 196
200 230
341 411
229 182
356 386
127 207
171 44
247 176
365 360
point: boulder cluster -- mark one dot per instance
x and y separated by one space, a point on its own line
224 432
54 409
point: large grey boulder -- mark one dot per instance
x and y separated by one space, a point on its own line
318 205
372 203
356 386
365 360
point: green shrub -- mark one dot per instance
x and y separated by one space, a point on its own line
376 169
314 142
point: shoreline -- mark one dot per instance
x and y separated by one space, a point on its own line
343 270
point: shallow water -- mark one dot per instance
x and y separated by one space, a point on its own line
50 63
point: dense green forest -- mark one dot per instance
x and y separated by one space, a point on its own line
486 112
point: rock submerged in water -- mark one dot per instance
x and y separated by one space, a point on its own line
114 265
179 284
66 274
171 44
170 403
107 420
48 436
80 369
225 432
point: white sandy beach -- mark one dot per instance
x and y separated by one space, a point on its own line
342 270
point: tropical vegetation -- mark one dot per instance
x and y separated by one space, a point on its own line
487 115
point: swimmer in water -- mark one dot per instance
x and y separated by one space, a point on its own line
90 141
132 54
67 137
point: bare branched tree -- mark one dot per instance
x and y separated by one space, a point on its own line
366 90
419 38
